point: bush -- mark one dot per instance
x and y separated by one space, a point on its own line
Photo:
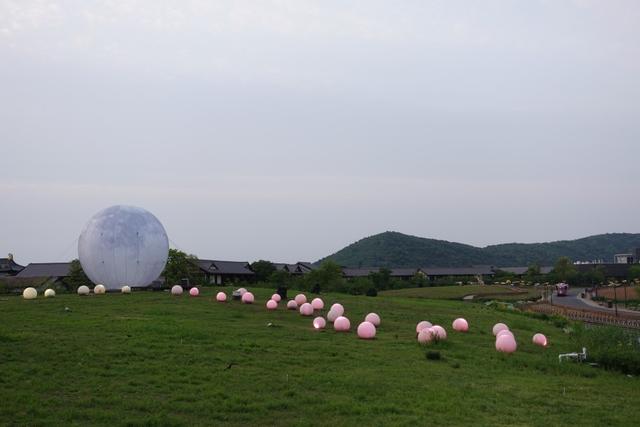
611 347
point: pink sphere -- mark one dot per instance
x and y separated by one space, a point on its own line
460 325
332 316
337 308
342 324
317 304
247 298
221 297
300 299
539 339
306 309
423 325
505 332
425 336
194 292
373 318
319 323
276 297
506 344
439 332
366 330
292 305
272 305
499 327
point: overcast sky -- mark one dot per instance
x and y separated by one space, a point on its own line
286 130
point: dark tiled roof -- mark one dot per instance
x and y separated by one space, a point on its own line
9 266
45 269
483 270
519 271
363 272
225 267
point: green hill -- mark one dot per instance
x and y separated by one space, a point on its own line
393 249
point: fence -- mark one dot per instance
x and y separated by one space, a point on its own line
587 316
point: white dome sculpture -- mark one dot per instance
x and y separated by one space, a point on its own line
83 290
30 293
123 244
49 293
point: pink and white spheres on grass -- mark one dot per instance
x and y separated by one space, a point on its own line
335 311
505 340
194 292
460 325
541 340
272 305
366 330
300 299
276 297
428 333
306 309
292 305
176 290
317 304
247 297
341 324
373 318
319 323
221 297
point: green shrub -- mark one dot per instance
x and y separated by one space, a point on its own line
611 347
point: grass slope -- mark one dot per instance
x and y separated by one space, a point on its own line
392 249
153 359
504 293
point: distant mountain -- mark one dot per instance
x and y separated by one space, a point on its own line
393 249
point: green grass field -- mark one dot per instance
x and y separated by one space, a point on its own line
153 359
505 293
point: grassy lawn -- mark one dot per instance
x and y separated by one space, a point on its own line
459 292
153 359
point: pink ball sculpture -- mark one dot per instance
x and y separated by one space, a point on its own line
300 299
366 330
272 305
439 332
460 325
423 325
221 297
276 297
373 318
506 344
425 336
319 323
342 324
306 309
317 304
499 327
539 339
505 332
332 315
194 292
292 305
176 290
247 298
337 308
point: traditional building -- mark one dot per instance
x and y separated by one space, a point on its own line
8 267
224 272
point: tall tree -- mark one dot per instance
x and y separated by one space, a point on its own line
263 270
76 277
564 270
181 266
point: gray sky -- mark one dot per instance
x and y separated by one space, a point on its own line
285 130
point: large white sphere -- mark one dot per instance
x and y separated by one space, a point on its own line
49 293
123 244
30 293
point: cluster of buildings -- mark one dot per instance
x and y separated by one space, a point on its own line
217 272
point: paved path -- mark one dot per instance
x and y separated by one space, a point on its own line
573 300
